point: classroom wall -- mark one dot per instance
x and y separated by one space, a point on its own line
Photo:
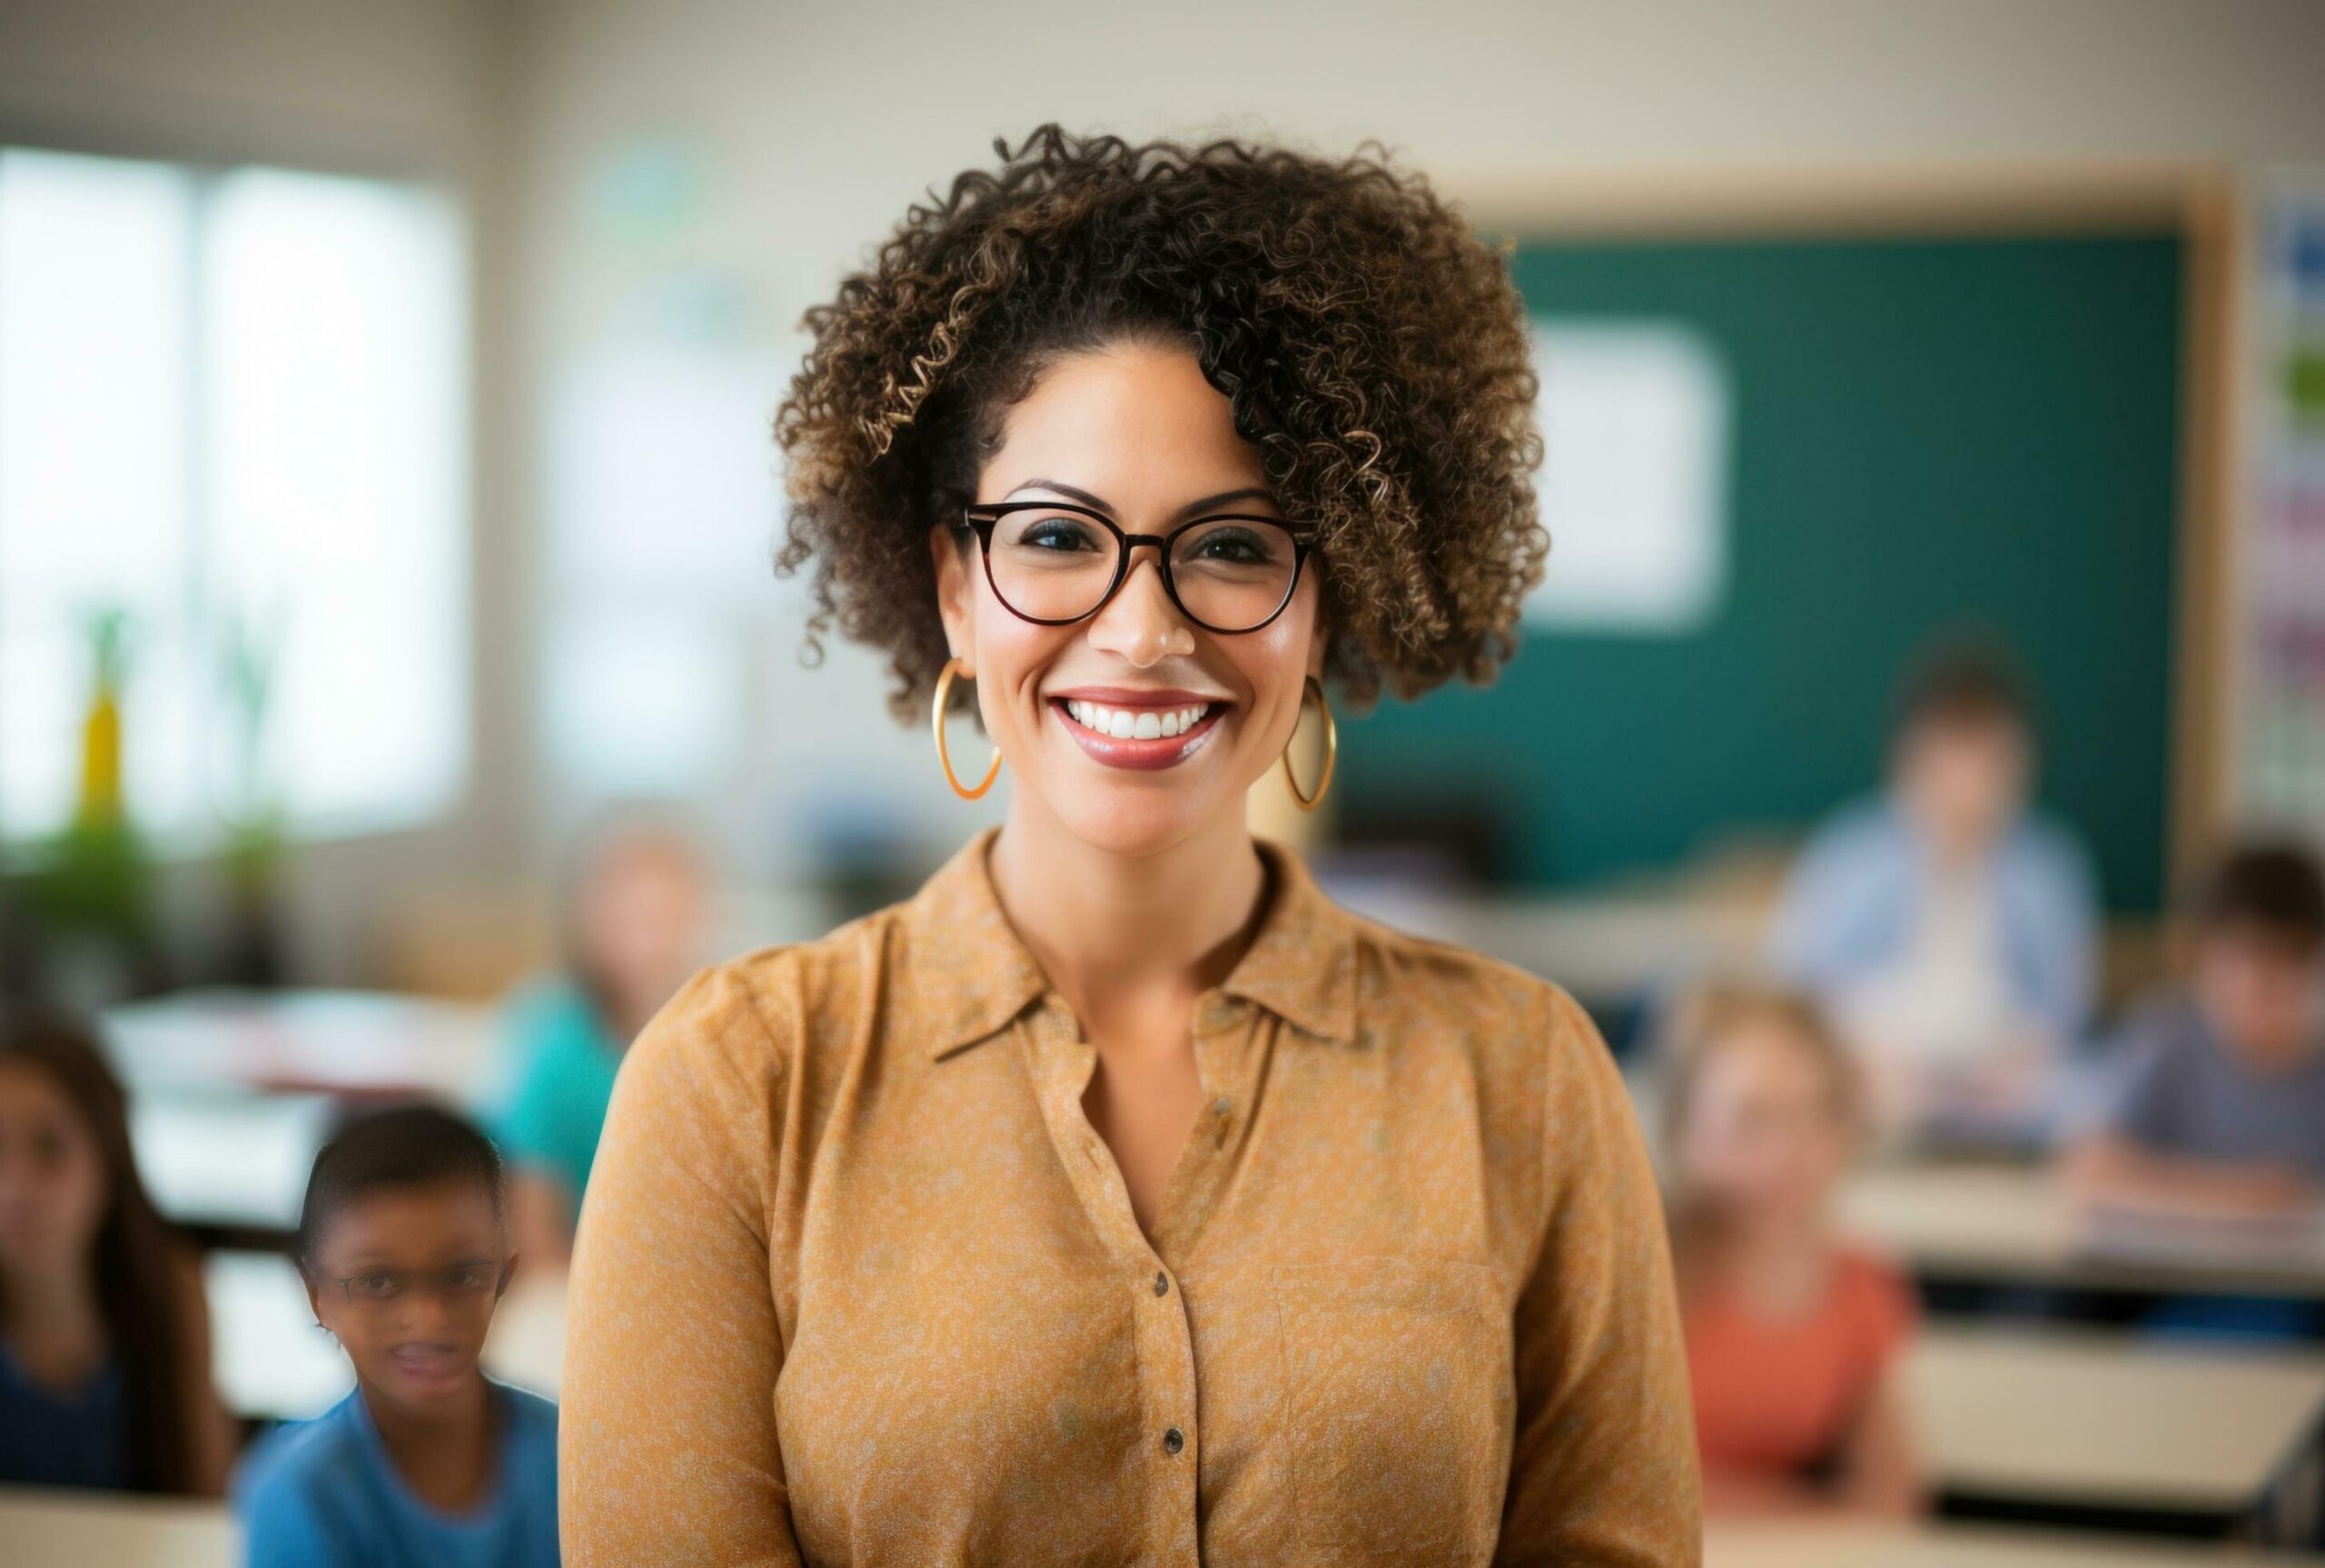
818 122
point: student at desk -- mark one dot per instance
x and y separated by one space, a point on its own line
634 908
429 1464
1947 929
1793 1336
2218 1108
104 1333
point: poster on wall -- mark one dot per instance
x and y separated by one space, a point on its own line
2281 763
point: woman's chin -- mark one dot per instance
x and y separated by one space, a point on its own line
1136 820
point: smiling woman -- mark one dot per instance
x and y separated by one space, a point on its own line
1119 1197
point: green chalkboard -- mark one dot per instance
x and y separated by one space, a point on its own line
1927 434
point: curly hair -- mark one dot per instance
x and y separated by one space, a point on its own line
1370 347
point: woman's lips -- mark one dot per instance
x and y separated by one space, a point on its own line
1161 752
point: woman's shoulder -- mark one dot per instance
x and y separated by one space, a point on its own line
761 1009
1407 980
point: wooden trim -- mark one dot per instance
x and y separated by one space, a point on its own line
2212 460
1751 201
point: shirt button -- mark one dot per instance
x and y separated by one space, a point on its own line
1162 1284
1173 1441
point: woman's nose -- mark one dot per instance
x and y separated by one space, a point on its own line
1140 623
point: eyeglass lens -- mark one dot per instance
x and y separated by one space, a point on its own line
1231 573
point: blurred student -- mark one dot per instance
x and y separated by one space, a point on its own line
1948 929
403 1246
1794 1335
635 911
104 1332
2218 1105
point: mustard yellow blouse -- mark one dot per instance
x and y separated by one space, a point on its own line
858 1284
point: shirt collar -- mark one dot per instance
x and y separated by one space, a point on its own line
974 976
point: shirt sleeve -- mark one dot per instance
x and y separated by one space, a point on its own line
667 1450
1604 1466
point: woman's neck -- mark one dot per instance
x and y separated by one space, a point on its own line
1097 921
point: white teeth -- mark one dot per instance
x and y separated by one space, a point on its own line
1146 724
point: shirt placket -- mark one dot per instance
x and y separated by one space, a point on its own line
1063 1064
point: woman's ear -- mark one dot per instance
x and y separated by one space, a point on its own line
956 600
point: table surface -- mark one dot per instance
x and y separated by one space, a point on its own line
46 1529
1790 1543
343 1043
77 1529
233 1092
2086 1417
2014 1224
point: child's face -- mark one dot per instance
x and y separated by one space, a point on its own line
406 1279
1763 1138
2263 994
1964 781
52 1175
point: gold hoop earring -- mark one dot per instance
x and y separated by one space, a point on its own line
1332 748
952 667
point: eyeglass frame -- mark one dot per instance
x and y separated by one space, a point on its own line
434 1279
981 521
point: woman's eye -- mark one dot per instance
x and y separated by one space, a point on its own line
377 1285
466 1278
1233 545
1056 534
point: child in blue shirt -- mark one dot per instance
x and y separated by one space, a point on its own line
404 1245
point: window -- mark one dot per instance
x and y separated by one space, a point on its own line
233 411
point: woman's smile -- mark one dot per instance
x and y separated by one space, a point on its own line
1125 727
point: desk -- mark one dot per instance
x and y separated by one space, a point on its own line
2013 1224
45 1529
272 1362
2087 1419
1786 1543
360 1044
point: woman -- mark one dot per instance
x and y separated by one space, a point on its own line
1118 1197
105 1335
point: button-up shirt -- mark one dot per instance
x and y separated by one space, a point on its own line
858 1283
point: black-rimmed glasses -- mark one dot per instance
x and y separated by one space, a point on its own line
1053 563
463 1285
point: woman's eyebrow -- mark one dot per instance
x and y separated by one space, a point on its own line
1192 509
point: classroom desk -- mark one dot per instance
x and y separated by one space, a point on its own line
349 1044
1790 1543
46 1529
2083 1419
2012 1224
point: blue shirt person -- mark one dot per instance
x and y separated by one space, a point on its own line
403 1248
326 1491
564 1060
635 906
1949 929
